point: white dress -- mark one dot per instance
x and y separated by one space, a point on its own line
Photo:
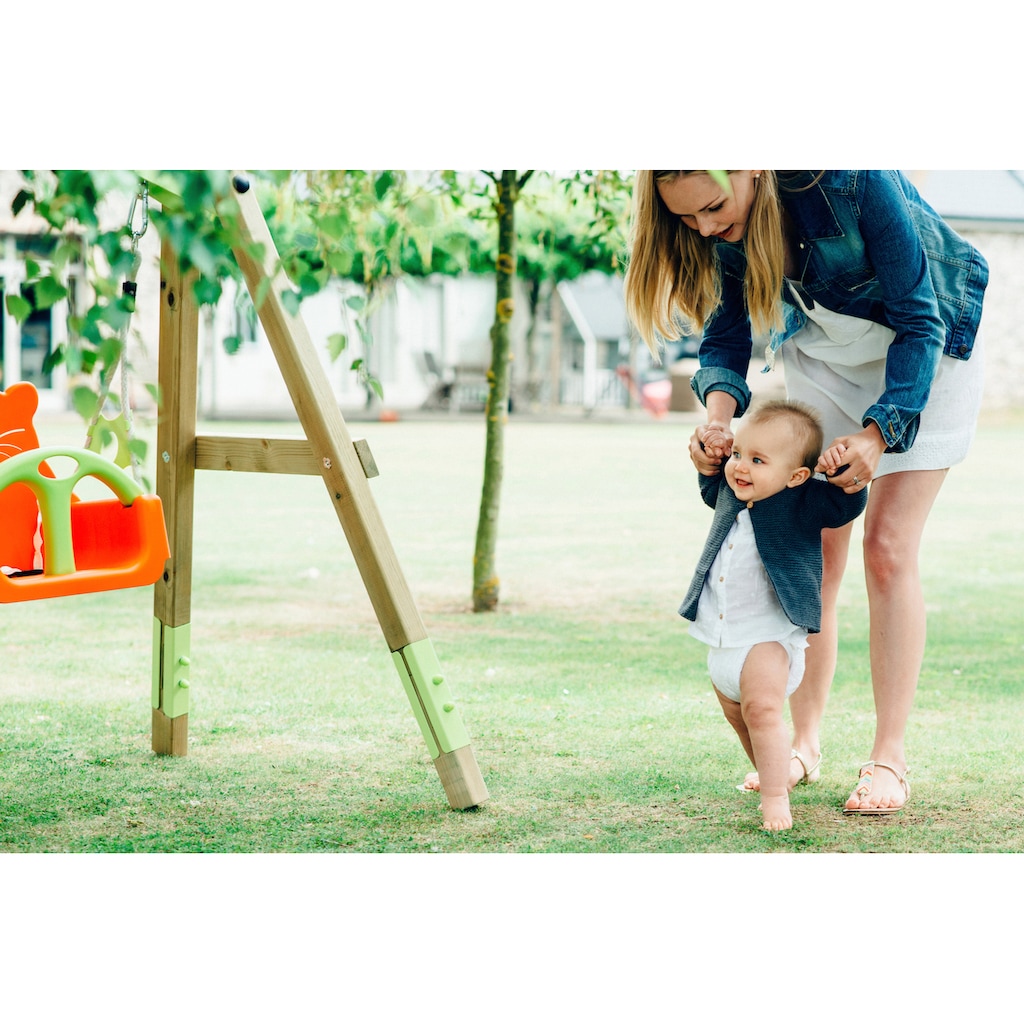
836 364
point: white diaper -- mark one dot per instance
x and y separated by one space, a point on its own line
726 663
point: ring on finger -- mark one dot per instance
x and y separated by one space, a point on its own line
856 481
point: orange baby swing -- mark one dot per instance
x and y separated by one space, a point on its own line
54 543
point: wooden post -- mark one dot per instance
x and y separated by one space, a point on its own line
175 485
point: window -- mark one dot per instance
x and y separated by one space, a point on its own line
36 342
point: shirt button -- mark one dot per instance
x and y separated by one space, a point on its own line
721 579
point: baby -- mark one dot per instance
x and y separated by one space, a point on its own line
756 593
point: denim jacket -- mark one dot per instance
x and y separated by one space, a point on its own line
871 247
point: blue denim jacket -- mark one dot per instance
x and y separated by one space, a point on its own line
871 247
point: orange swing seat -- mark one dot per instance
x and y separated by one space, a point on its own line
84 546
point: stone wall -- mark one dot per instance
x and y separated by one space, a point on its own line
1002 323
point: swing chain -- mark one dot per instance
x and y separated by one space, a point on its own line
143 194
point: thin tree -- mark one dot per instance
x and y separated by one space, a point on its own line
507 187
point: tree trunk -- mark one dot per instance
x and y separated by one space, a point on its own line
555 355
485 576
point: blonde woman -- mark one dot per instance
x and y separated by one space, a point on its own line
873 304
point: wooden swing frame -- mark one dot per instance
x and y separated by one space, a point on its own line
328 450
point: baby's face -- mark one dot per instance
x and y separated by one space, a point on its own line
765 460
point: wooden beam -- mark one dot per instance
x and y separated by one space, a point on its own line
175 485
176 435
289 455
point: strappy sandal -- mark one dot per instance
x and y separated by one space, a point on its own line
867 772
811 774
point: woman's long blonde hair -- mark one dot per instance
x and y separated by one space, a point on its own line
673 271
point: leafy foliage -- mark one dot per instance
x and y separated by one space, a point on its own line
366 226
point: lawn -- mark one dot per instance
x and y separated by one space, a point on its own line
588 706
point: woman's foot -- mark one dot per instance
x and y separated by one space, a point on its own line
883 789
801 769
776 813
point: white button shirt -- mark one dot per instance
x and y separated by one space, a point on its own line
738 606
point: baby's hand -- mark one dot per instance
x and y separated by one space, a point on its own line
716 442
831 459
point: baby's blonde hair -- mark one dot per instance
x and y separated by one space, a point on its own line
804 421
673 270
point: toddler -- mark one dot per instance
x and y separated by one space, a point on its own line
756 593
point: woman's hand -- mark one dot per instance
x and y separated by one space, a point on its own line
709 447
850 462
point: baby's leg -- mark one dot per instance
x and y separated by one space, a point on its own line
762 697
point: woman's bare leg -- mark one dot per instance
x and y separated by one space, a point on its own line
734 716
893 526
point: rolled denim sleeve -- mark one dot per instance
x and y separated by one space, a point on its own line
721 378
897 255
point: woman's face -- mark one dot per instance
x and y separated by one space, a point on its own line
705 206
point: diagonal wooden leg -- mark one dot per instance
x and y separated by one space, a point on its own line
351 497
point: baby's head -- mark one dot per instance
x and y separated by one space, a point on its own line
777 445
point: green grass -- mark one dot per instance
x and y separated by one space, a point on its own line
588 706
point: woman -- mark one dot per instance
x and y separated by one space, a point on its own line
874 304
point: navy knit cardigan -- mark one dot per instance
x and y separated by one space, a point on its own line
787 529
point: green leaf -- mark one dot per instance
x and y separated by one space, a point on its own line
384 181
54 358
334 226
20 201
336 344
203 256
18 308
115 316
232 343
340 262
722 177
85 401
309 284
291 301
356 302
48 291
207 292
138 447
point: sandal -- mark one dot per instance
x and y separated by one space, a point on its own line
867 772
811 774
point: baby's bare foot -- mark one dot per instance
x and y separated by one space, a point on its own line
776 813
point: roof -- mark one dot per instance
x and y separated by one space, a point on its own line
980 199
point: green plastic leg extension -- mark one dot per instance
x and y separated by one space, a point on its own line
430 697
171 671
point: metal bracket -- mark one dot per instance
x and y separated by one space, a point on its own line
430 697
172 661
